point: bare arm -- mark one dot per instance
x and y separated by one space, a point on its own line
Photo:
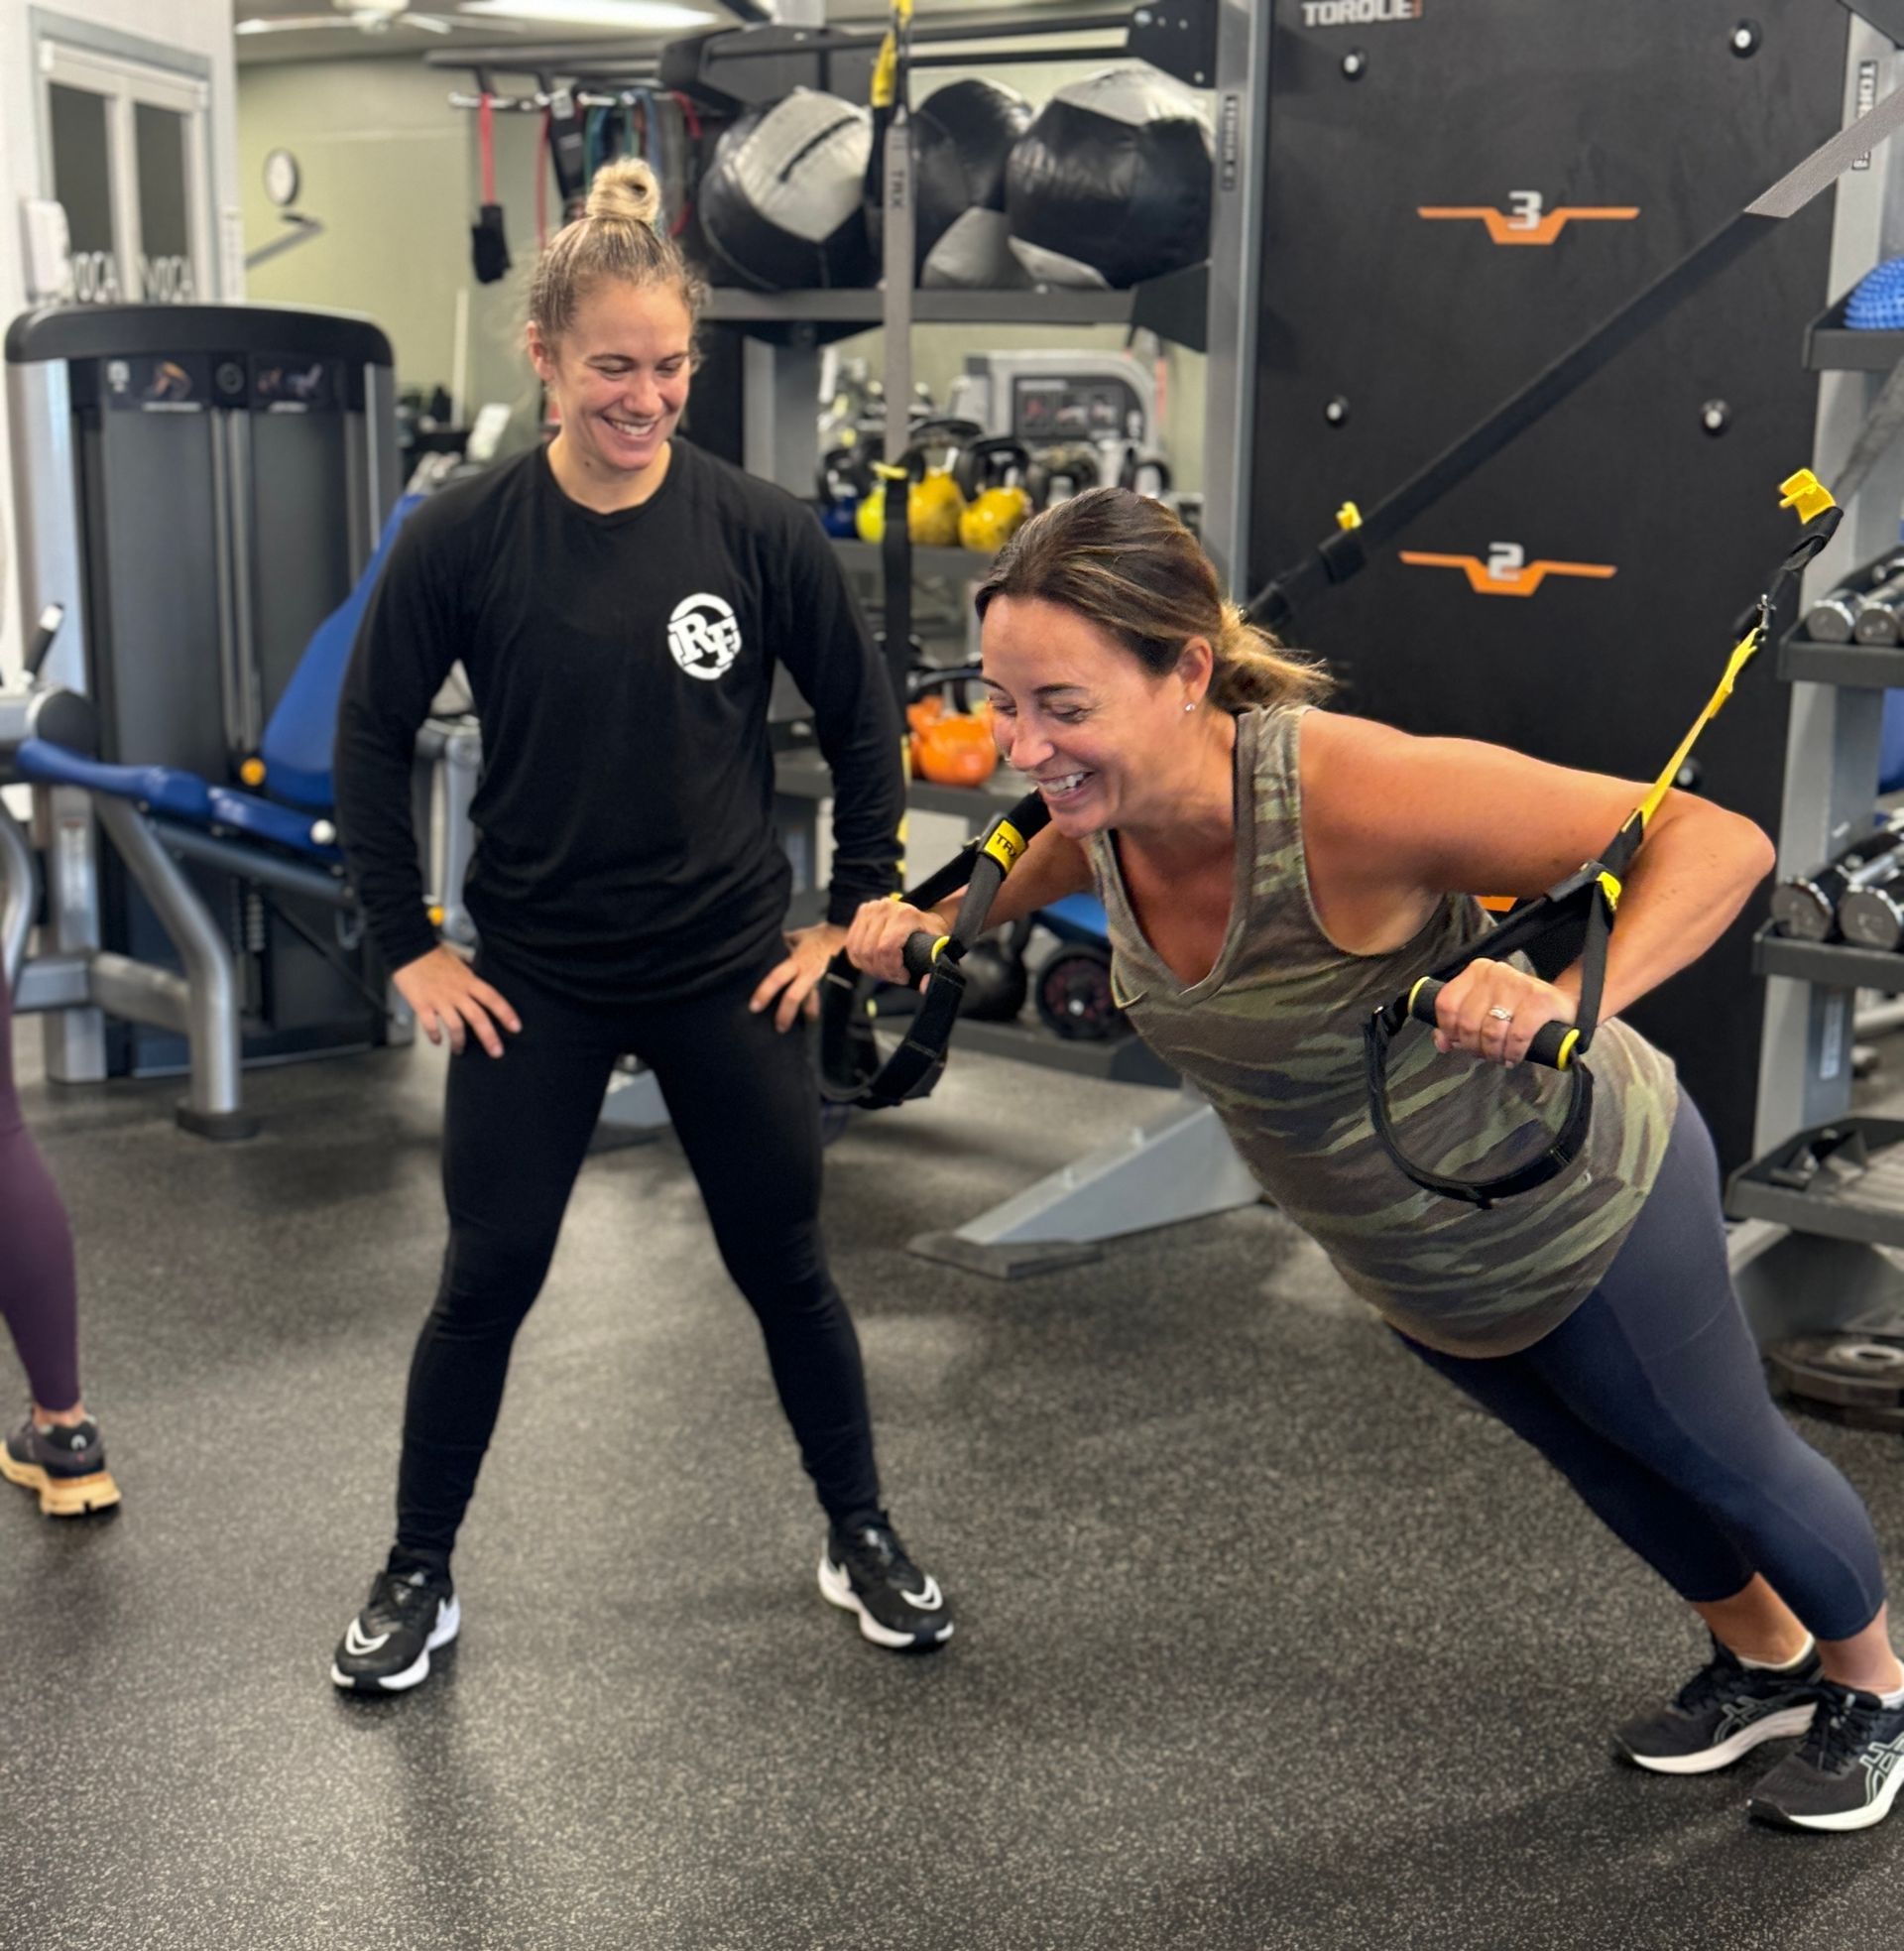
1052 868
1393 822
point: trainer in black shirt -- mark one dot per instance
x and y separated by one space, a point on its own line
619 602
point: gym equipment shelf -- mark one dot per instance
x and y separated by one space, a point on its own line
1832 347
1873 666
1175 308
1825 1191
1831 964
1838 1181
968 563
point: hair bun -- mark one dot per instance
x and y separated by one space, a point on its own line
624 191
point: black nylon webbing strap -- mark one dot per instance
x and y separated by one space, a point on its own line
852 1070
1521 929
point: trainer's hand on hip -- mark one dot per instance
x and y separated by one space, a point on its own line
808 950
1494 1010
880 929
449 999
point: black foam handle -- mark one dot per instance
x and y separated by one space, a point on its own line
1549 1039
918 953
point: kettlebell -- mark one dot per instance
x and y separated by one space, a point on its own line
846 478
997 506
952 748
1145 474
933 503
996 984
1061 472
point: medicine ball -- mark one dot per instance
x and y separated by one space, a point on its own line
781 205
1110 185
962 138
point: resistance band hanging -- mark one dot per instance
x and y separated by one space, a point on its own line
1343 554
489 249
1593 889
852 1069
691 161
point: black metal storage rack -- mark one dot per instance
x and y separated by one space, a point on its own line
1833 1178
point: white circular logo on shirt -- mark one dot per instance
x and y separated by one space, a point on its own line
704 635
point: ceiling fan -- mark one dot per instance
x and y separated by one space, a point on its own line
369 17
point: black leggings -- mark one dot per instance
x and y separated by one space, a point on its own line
1650 1399
37 1298
745 1107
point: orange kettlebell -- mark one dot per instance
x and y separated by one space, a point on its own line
954 748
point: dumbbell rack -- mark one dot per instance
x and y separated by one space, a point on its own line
1823 1199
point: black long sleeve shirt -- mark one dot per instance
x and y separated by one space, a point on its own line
621 666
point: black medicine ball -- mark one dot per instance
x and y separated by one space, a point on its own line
1110 185
781 205
962 138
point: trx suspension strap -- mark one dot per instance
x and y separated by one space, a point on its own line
892 157
1595 889
852 1070
1343 554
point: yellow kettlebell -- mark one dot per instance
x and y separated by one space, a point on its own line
933 503
992 473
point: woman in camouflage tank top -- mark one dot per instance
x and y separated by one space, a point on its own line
1272 873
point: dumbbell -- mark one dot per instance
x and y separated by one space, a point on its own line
1833 618
1877 612
1870 912
1805 908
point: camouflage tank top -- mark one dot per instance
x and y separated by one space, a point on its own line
1272 1035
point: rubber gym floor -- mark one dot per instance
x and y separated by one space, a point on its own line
1264 1638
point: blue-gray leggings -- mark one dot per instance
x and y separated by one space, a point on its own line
1650 1399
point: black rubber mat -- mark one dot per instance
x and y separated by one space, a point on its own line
1264 1638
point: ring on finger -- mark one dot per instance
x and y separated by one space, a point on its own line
1501 1015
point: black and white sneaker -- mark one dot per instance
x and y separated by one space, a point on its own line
386 1646
1722 1712
1849 1771
866 1570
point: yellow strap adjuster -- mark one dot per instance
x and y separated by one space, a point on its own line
1347 516
1805 492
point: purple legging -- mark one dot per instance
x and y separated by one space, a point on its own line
36 1295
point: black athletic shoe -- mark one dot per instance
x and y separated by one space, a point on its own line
1725 1710
1849 1771
386 1646
865 1570
65 1464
